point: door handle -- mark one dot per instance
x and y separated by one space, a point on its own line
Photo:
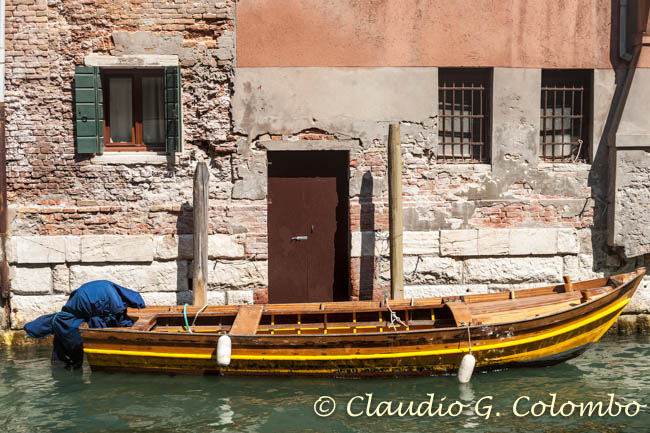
299 238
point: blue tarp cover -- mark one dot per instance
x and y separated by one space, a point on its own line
101 303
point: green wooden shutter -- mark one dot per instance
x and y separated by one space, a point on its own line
173 109
89 110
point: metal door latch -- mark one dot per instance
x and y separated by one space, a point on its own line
299 238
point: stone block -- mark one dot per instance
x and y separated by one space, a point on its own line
226 246
580 267
237 275
31 280
513 269
429 270
249 189
368 243
422 243
61 279
585 241
72 249
567 241
216 297
643 322
155 277
533 241
5 323
226 46
459 243
236 297
435 291
10 250
626 324
493 242
116 249
39 249
171 247
24 309
166 298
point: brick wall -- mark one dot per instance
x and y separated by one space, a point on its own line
56 192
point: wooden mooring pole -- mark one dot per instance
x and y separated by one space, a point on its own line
395 212
201 208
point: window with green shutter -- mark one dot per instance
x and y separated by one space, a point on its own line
89 114
173 108
128 109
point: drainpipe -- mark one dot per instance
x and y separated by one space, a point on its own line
622 30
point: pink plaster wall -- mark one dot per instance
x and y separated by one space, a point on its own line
505 33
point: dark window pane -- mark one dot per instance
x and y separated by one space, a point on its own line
153 125
121 109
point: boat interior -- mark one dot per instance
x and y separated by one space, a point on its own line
355 317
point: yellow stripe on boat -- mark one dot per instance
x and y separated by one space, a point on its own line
618 306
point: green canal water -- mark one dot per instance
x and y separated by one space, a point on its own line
36 398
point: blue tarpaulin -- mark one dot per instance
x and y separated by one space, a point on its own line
101 303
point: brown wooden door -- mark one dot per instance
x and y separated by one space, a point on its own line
308 223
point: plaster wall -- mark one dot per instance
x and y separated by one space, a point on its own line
352 101
489 33
631 207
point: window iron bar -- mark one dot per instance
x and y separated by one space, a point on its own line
562 136
462 116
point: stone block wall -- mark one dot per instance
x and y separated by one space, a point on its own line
45 269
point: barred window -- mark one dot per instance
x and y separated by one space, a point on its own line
464 115
565 109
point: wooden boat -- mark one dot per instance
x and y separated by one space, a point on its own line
532 327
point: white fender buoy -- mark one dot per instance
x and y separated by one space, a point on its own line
224 350
466 368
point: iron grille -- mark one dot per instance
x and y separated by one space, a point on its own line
463 110
564 120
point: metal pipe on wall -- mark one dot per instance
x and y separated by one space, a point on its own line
622 31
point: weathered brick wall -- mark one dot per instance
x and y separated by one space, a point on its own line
56 192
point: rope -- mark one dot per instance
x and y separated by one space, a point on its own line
199 312
393 317
469 338
187 325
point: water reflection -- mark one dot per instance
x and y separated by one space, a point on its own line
35 397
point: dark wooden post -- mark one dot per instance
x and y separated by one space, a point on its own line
395 212
201 208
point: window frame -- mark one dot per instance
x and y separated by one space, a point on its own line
555 80
481 79
137 142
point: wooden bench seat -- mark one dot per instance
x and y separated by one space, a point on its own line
247 320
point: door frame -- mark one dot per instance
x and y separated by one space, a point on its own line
347 146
